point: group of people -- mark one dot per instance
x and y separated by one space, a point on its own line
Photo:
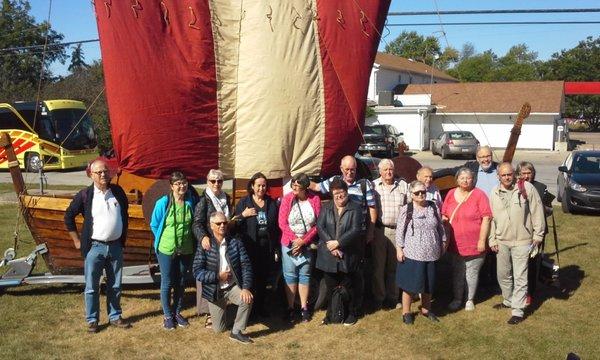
373 239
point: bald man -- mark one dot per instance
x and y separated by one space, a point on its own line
104 209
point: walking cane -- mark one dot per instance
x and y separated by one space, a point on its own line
555 240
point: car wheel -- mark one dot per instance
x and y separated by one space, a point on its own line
33 162
565 204
444 155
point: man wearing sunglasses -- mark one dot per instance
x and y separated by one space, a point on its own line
517 229
226 275
104 209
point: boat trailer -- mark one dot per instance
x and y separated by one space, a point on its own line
20 271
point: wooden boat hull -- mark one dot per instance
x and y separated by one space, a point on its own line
44 216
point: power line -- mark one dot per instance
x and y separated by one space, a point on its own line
499 23
508 11
34 47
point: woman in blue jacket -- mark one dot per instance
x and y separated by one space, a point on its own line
174 245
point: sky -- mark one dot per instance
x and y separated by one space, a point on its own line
75 20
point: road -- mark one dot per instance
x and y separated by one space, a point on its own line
546 163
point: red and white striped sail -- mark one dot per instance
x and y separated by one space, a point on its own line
240 85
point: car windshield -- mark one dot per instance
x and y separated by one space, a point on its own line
587 164
461 136
374 130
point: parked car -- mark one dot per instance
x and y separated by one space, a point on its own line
455 143
381 140
579 181
369 163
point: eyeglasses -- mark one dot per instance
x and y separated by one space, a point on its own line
506 175
341 195
484 156
180 183
100 172
419 192
220 223
217 181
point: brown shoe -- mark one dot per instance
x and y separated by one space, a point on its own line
120 323
92 327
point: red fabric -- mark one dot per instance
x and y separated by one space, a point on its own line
467 221
287 236
347 56
160 86
582 88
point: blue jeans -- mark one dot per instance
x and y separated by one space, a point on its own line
107 257
173 272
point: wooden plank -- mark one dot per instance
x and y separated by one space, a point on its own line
61 204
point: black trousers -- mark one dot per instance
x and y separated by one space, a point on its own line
261 260
347 280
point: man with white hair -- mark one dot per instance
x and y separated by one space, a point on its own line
104 209
392 195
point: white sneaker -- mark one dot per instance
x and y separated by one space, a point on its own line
469 306
454 305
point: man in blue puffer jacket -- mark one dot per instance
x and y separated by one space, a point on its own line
226 274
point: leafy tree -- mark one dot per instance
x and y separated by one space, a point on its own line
411 45
476 68
86 85
77 60
581 63
468 50
20 70
519 64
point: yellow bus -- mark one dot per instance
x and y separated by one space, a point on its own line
60 136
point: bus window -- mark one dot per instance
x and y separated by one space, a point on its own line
8 120
72 133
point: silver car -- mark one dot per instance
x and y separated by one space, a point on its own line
455 143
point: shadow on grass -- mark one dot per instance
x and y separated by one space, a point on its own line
37 290
569 280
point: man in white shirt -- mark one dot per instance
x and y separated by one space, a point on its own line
104 210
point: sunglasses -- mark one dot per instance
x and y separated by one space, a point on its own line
419 192
220 223
219 181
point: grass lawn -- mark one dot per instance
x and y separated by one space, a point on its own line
48 321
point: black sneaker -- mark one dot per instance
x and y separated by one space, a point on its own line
181 321
350 320
305 315
289 315
169 324
241 338
514 320
92 327
408 318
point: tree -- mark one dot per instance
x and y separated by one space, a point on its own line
519 64
476 68
86 85
427 50
77 60
20 69
581 63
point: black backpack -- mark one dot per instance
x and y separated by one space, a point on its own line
338 306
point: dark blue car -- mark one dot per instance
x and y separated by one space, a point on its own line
579 182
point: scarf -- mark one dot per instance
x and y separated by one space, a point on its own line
219 202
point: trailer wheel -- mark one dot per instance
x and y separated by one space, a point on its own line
33 162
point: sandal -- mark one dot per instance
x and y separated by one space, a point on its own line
208 322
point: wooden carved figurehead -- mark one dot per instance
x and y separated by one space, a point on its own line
515 132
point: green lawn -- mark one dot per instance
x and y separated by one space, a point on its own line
47 321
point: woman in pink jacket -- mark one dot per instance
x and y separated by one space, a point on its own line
298 214
467 208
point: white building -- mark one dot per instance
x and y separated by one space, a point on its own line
389 71
488 110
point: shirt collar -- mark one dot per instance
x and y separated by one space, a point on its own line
98 191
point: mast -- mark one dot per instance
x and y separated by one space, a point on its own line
515 132
13 164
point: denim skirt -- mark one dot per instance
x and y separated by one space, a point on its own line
415 276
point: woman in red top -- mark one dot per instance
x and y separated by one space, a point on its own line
467 208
